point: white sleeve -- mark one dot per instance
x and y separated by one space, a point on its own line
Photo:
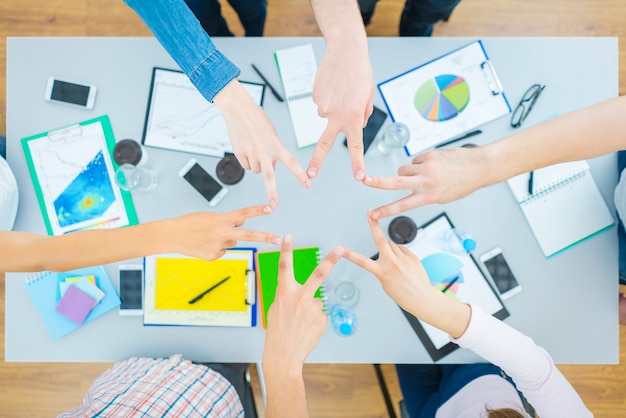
530 366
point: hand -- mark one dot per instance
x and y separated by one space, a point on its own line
438 176
343 92
296 320
405 280
399 271
254 138
207 235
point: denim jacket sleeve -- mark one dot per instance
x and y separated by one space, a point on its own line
180 33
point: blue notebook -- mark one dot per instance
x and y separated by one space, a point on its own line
42 289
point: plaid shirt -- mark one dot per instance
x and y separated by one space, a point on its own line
143 387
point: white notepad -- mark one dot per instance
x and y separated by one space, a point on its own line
297 68
565 208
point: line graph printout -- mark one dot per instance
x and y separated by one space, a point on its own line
445 98
73 176
181 119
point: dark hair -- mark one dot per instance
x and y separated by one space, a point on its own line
503 413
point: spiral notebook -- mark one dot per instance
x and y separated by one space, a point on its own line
42 288
565 208
304 262
297 68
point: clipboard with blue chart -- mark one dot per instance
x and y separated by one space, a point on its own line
73 176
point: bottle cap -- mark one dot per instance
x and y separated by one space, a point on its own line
469 244
127 151
345 329
228 170
402 230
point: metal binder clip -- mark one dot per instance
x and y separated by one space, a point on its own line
65 133
492 77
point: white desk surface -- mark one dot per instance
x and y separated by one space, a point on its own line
569 302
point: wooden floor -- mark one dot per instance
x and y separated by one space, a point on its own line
43 390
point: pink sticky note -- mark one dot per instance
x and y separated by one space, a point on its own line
75 305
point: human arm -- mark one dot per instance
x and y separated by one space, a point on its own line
295 323
344 85
405 280
205 235
252 135
445 175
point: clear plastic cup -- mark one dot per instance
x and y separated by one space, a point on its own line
133 178
395 136
346 293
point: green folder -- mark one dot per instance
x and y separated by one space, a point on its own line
304 262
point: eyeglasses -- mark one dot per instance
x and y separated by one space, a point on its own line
526 105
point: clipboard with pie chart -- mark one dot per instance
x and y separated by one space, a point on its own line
445 97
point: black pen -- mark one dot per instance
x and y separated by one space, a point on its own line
272 89
449 285
530 182
467 135
201 295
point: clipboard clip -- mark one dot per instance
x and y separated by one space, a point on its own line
492 78
250 288
65 133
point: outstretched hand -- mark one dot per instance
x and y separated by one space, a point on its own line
343 92
208 235
438 176
254 139
296 320
405 280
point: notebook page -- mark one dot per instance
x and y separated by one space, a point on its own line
297 68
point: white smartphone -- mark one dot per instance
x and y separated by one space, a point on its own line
501 273
70 93
131 289
203 182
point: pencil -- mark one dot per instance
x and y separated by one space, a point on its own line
201 295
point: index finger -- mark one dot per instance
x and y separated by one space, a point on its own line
285 262
409 202
243 214
294 166
255 236
322 148
323 269
269 178
391 183
355 147
379 236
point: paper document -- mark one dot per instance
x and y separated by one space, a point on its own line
446 97
181 119
297 68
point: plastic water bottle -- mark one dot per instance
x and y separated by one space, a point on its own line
343 320
458 241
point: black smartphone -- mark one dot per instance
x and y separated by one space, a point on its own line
374 123
203 182
131 289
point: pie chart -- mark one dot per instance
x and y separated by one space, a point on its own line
442 98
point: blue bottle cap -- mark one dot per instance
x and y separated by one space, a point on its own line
345 329
469 244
